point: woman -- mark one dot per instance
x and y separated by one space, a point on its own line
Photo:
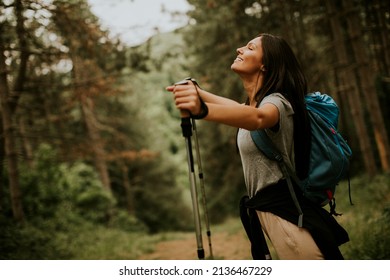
275 87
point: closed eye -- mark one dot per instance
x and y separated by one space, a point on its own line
251 46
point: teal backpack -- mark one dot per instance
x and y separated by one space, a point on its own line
329 154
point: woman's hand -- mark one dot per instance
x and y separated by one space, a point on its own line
187 98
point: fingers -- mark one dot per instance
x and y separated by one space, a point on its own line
186 100
170 88
185 96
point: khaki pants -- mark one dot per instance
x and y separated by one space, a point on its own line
289 241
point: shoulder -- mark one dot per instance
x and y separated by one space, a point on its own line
279 101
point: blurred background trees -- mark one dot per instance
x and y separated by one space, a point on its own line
89 135
68 87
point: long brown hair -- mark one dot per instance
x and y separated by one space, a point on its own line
283 74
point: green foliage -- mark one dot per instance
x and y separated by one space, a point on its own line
62 202
368 220
128 223
65 205
90 199
47 185
29 242
375 240
66 238
42 185
159 202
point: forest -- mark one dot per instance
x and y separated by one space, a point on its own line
91 144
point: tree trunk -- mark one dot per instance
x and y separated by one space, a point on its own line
380 31
128 191
27 146
348 89
366 79
18 86
10 140
95 141
2 165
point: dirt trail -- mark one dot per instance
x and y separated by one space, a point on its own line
225 246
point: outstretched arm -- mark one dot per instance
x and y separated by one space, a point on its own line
224 110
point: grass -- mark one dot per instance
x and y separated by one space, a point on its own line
367 220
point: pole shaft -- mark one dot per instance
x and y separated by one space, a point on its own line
202 188
187 133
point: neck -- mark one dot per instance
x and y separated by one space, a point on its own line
252 86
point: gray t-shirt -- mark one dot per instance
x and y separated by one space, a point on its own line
259 171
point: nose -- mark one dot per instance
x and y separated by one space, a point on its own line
239 50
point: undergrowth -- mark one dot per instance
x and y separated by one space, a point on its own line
66 236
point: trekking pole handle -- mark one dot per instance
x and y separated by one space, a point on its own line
185 81
184 113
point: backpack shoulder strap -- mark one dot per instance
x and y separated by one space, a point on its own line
265 145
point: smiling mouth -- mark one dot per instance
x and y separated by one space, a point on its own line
238 59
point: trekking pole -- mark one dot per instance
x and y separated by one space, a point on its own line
187 133
202 188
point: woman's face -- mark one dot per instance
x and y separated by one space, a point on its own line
249 58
